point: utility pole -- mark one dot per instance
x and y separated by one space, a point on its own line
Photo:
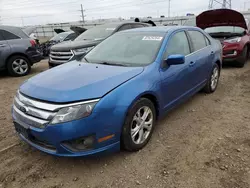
83 16
223 3
169 8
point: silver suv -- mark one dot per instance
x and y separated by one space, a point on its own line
18 52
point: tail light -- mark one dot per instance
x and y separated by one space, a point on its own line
33 43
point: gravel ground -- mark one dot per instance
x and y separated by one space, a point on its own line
203 143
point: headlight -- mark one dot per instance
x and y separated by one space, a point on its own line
81 51
73 113
233 40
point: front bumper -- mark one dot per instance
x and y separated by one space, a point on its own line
232 52
50 139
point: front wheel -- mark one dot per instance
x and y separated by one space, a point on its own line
244 57
139 125
213 80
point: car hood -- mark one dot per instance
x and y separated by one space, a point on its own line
77 81
70 45
220 17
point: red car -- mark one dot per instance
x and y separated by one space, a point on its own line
231 28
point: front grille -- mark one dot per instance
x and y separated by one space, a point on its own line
61 56
32 112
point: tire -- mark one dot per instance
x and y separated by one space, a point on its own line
212 86
139 108
18 61
244 57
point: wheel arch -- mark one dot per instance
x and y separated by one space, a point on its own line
17 54
150 96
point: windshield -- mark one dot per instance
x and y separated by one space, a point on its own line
98 32
60 36
225 29
127 49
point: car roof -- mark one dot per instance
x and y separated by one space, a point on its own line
162 29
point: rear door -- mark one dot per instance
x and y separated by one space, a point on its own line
4 49
202 50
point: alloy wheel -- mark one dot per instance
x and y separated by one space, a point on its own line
141 125
214 78
20 66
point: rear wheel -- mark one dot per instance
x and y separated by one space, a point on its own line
213 81
139 125
18 66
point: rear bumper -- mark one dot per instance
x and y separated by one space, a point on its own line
35 57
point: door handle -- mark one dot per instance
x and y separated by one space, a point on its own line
192 63
2 45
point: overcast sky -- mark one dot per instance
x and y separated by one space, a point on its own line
29 12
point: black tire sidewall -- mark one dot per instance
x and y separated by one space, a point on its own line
126 140
244 57
208 88
10 69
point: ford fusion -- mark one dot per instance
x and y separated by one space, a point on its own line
114 95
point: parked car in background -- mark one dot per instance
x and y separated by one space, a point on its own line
68 51
115 94
18 52
231 28
61 37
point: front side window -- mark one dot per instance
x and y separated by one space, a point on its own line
127 49
178 44
198 40
9 36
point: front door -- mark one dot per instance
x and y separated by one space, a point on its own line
175 79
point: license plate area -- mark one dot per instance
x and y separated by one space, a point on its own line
22 130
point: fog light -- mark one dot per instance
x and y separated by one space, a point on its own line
80 144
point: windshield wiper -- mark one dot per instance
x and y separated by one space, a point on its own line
115 64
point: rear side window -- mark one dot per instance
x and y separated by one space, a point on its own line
9 36
125 27
137 25
178 44
1 36
207 41
198 40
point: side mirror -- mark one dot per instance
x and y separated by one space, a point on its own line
175 59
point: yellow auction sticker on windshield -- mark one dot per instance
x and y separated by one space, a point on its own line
156 38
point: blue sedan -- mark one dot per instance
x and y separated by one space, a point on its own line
113 97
